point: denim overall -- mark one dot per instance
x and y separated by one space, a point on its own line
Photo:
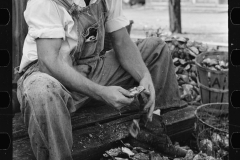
46 104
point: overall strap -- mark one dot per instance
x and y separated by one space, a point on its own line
105 10
104 5
69 5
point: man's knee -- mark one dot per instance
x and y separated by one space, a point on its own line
151 42
41 84
156 41
154 48
40 90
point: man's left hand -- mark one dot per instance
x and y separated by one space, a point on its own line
147 83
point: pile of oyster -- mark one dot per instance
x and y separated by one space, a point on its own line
129 152
184 53
217 145
215 64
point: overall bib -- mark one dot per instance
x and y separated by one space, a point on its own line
46 104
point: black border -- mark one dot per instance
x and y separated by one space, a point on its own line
6 79
234 79
6 114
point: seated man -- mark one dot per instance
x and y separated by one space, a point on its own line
62 67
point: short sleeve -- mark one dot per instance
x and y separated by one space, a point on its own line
44 19
116 20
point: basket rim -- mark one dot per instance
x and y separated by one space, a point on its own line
205 68
198 118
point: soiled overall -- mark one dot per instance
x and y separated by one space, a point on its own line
46 104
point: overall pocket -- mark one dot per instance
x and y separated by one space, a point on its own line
90 39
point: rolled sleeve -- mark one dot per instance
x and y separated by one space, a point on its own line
44 19
116 23
116 20
47 33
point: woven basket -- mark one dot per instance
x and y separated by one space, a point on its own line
212 129
213 84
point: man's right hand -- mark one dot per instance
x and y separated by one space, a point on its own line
116 96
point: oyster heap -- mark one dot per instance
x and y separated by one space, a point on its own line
184 53
215 64
216 145
129 152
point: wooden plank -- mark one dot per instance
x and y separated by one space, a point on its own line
89 115
85 146
203 79
92 147
180 120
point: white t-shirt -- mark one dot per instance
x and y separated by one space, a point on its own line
47 19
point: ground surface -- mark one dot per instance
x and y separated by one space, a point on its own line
201 24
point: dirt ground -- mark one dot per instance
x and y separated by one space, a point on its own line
200 26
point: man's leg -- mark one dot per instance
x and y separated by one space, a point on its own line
46 106
158 59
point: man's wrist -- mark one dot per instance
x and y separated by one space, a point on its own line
146 75
98 90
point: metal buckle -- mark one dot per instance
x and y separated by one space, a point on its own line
73 8
88 12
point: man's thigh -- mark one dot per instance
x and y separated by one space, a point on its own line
37 85
110 72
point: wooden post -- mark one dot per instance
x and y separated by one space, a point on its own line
175 16
19 31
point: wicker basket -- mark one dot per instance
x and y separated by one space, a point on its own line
213 84
212 129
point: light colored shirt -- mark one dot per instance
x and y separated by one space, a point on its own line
47 19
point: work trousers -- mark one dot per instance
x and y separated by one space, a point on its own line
46 104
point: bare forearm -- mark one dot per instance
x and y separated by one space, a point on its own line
70 78
130 58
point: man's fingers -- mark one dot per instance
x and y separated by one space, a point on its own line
150 100
150 113
124 92
146 91
148 105
127 101
127 98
